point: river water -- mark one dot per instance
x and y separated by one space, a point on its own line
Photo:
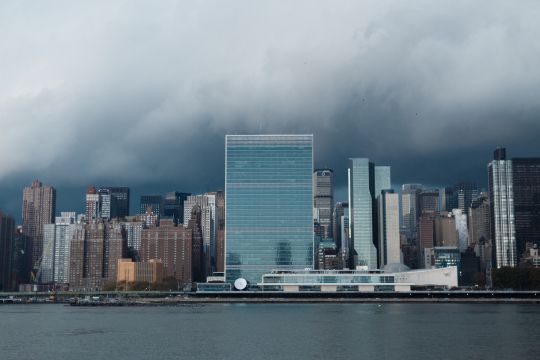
271 331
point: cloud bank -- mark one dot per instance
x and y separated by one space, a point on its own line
142 92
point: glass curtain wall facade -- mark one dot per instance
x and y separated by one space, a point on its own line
361 189
366 182
502 210
268 205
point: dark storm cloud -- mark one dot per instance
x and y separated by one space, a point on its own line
142 93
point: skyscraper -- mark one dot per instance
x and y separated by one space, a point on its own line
501 196
171 244
464 193
151 201
119 201
92 204
427 201
7 231
366 181
94 253
479 230
209 213
173 206
268 204
38 209
409 214
323 199
341 209
56 246
389 239
526 187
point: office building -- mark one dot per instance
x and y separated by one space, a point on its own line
21 262
526 189
409 213
38 209
447 201
389 239
464 193
426 235
446 234
173 206
341 209
428 202
365 183
501 198
442 257
479 230
154 202
119 201
323 200
220 239
269 204
7 230
211 218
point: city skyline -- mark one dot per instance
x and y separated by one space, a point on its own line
73 198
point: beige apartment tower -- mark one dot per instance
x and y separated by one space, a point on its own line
38 209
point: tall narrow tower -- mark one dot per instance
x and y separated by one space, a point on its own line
323 199
38 209
502 209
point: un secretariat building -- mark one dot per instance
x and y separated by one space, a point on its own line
268 205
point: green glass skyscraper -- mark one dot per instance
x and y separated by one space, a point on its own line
366 182
268 204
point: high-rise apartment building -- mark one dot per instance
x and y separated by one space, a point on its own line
7 231
323 199
94 252
92 204
269 204
56 248
501 197
133 228
38 209
172 244
526 188
366 181
389 239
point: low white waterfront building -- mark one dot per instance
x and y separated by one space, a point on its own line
357 280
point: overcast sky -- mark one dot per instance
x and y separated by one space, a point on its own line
141 93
